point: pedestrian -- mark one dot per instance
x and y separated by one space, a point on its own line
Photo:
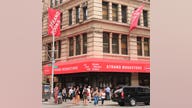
70 93
64 94
73 95
89 93
85 95
102 96
108 93
96 96
77 95
56 93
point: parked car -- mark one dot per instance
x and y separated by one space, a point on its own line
131 95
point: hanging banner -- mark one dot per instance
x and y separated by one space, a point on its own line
54 22
135 17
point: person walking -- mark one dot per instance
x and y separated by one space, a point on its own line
56 92
102 96
70 93
108 93
89 93
85 94
73 95
64 94
96 96
77 95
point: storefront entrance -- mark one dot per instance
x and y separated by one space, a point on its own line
95 79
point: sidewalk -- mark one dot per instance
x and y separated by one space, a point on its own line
69 104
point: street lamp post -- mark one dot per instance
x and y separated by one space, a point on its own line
53 63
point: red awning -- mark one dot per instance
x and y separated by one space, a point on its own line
98 65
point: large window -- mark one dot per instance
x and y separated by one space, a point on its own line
145 18
57 53
78 45
70 17
51 3
115 44
146 47
124 44
105 10
85 13
59 49
139 46
49 47
77 14
124 14
106 42
115 12
56 2
84 43
71 46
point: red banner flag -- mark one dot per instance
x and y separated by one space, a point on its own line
54 22
135 17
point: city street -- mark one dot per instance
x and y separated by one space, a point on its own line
107 104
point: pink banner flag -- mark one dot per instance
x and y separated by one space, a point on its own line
135 17
54 22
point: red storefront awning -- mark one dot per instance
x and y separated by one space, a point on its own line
98 65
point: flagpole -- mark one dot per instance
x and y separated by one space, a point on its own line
53 62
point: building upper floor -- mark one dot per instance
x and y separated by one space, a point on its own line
77 12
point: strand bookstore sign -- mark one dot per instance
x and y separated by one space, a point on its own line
98 65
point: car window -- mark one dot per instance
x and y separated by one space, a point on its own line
146 90
143 90
130 90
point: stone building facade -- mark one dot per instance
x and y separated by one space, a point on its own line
98 29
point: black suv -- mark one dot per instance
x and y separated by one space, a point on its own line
131 95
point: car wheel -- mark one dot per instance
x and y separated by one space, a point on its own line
132 102
121 103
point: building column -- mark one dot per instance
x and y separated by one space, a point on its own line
132 43
81 13
142 44
141 19
119 43
110 11
134 79
129 13
148 18
64 48
110 43
119 13
74 47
